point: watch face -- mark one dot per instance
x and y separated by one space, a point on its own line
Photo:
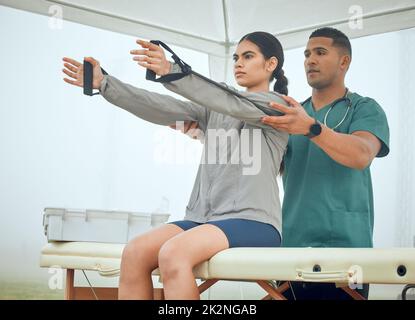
316 129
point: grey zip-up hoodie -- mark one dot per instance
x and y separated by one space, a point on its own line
230 187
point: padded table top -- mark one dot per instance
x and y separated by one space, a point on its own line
361 265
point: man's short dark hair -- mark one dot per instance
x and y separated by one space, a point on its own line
339 38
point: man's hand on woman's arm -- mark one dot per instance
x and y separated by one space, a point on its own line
355 150
189 128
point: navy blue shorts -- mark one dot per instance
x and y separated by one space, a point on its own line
241 232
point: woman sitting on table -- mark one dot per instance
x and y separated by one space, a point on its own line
230 205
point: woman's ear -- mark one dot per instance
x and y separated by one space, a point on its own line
272 64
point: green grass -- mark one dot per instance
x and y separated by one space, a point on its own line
28 290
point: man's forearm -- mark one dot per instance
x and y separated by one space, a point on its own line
347 149
355 150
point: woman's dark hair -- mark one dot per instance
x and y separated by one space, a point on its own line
270 47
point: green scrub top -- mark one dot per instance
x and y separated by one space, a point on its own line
325 203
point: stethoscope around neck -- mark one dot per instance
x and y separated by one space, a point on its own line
333 104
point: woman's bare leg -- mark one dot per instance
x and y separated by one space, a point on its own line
139 259
180 254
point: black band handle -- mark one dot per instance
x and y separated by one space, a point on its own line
88 78
186 69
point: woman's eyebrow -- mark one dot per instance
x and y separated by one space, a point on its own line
244 53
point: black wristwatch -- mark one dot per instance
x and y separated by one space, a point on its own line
315 130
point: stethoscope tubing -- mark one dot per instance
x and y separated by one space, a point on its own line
344 98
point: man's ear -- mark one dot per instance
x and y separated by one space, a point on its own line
345 62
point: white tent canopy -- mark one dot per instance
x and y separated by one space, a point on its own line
215 26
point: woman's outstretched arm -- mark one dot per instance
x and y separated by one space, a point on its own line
157 108
205 93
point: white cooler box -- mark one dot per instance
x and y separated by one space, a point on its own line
98 225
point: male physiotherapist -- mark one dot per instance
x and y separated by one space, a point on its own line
335 135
